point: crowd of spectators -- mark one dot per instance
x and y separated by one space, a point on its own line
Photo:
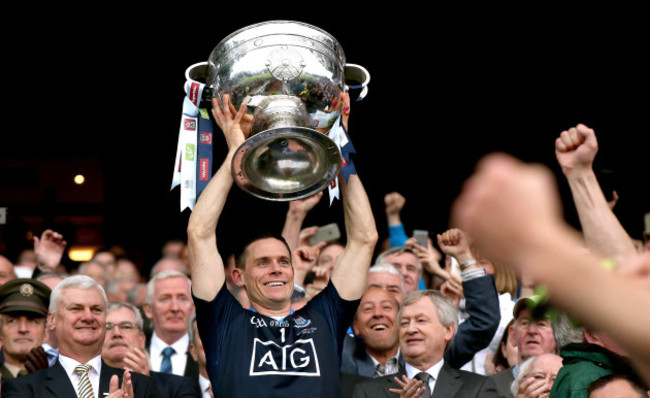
508 302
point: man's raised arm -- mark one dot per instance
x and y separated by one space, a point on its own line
206 265
351 269
575 150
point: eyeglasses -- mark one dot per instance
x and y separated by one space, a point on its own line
524 323
124 326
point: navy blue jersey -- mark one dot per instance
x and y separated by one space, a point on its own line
251 355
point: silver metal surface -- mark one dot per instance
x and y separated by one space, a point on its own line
292 76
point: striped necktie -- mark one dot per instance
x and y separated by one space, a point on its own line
84 389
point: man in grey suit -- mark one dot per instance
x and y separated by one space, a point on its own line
77 315
427 324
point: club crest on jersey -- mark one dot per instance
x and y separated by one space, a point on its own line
301 322
297 359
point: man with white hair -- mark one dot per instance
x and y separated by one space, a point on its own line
536 376
389 278
77 315
168 305
427 324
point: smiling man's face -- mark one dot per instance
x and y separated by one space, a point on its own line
79 320
422 336
376 321
268 276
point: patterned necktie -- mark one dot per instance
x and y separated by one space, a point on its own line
424 376
84 389
388 369
166 365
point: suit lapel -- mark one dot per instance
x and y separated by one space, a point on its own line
366 366
448 382
105 378
191 367
391 382
58 382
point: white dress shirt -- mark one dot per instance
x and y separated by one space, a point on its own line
205 387
434 371
70 364
179 359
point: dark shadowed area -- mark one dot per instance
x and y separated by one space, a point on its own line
100 94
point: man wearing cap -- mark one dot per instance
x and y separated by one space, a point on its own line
23 308
77 315
533 334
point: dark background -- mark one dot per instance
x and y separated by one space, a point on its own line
448 86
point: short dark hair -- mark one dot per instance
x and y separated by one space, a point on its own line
603 381
242 254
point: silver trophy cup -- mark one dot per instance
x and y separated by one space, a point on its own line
291 75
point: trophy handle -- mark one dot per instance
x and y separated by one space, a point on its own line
359 74
199 73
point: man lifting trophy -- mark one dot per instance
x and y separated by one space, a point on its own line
269 114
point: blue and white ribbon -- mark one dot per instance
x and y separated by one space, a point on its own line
193 164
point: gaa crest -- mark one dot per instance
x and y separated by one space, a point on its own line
285 63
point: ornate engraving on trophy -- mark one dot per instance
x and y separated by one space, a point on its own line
285 63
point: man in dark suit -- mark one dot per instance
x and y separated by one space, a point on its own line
367 349
427 324
124 348
169 305
77 316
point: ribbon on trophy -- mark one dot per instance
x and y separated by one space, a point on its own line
340 136
193 164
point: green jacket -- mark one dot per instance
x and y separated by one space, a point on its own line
584 363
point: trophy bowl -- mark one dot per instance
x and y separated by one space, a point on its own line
291 76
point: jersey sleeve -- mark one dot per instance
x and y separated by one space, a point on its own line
213 318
